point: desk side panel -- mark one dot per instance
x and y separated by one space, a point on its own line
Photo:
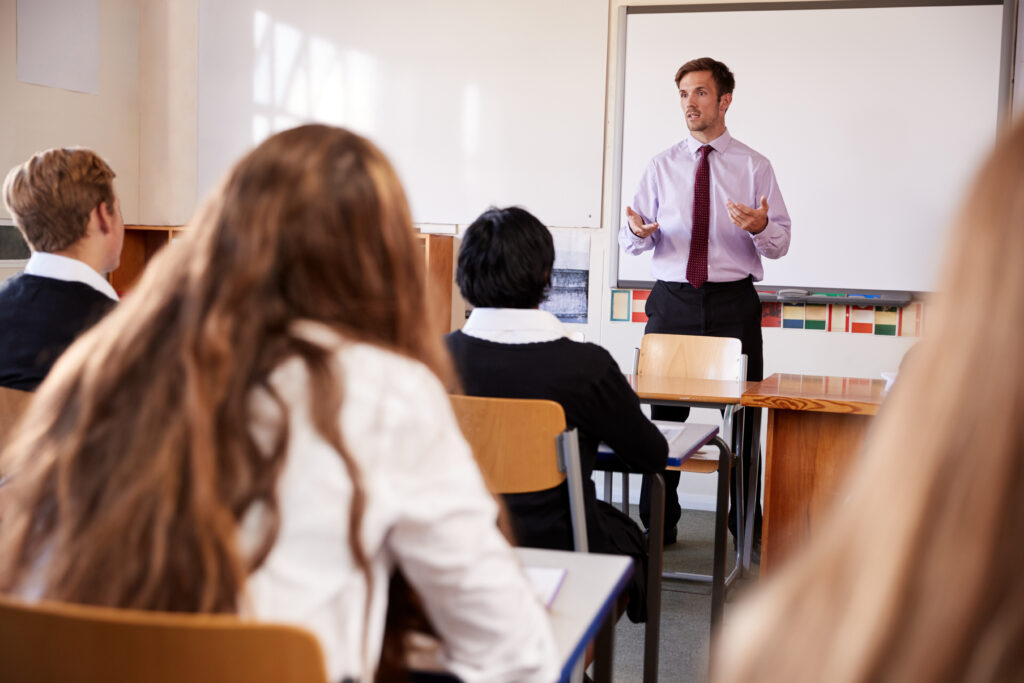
808 457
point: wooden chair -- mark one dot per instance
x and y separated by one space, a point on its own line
51 642
710 358
521 446
12 404
512 441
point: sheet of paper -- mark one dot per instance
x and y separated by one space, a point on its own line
545 581
59 44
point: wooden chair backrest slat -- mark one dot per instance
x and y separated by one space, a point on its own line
51 642
690 356
513 440
12 404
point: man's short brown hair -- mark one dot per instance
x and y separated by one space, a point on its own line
724 80
51 195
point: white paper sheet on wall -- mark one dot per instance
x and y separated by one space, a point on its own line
570 277
59 44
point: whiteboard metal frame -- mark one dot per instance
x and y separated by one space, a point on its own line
1004 105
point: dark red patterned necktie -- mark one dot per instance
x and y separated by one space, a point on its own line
697 265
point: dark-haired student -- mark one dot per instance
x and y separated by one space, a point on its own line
511 349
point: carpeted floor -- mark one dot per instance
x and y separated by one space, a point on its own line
686 610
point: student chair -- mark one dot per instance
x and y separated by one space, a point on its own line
709 358
521 446
51 642
512 440
12 404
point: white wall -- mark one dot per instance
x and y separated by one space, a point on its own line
168 97
34 117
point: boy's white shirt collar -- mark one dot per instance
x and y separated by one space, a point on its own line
515 326
57 267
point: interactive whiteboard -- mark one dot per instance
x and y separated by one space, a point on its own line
874 119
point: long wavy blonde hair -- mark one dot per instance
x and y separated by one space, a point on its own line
916 576
135 462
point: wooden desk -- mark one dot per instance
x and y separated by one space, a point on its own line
584 608
815 428
724 395
682 446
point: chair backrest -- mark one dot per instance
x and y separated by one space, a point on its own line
12 404
51 642
691 356
521 446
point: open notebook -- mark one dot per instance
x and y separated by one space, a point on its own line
675 434
680 437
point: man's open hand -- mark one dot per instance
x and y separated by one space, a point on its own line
637 225
750 219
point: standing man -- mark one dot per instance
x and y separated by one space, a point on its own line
710 208
64 204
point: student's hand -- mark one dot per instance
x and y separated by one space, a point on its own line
747 218
637 225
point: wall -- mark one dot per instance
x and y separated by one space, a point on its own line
35 117
168 101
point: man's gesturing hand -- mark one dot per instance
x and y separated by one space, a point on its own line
637 225
751 220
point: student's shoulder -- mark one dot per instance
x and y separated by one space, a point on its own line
593 356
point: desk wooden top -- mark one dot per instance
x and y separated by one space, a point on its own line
817 393
657 388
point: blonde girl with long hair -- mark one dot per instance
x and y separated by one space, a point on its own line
916 577
262 428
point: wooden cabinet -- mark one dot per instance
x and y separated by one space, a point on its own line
438 255
142 242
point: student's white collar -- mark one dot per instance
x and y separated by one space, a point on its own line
514 325
58 267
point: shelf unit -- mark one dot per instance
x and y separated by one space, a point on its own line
142 242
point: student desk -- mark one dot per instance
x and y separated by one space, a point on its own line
584 607
724 395
684 440
815 428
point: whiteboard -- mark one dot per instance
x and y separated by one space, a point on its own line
874 120
476 103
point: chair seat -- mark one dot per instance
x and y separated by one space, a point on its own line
699 465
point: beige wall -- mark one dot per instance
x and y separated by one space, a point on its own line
34 117
168 105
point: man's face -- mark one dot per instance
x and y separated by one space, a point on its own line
702 109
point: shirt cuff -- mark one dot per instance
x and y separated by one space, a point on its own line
767 237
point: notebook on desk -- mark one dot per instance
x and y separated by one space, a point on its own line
679 442
680 437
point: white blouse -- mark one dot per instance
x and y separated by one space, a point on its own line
427 511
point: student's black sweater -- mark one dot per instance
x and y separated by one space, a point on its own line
597 400
39 318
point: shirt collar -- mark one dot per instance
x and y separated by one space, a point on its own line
719 144
57 267
514 325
